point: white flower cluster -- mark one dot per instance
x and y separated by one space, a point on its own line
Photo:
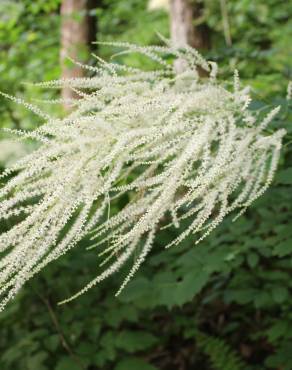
173 147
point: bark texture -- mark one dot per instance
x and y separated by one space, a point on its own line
77 32
184 15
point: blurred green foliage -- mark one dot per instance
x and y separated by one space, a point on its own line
224 304
261 36
29 43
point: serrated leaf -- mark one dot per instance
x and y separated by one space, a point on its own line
191 285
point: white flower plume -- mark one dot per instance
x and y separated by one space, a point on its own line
175 146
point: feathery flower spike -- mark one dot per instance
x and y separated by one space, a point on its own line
180 146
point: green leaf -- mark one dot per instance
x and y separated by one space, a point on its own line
252 259
241 296
285 176
280 294
108 344
52 342
134 363
132 341
284 248
262 299
191 285
134 290
278 330
282 359
67 363
117 314
37 361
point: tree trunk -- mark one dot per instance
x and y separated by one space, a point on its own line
77 32
183 14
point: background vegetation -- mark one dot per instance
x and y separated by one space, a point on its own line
225 304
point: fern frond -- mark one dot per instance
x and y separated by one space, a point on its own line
220 354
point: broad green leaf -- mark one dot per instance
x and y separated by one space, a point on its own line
108 344
117 314
52 342
191 285
284 248
280 294
134 363
282 359
132 341
67 363
134 290
278 330
37 361
262 299
241 296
